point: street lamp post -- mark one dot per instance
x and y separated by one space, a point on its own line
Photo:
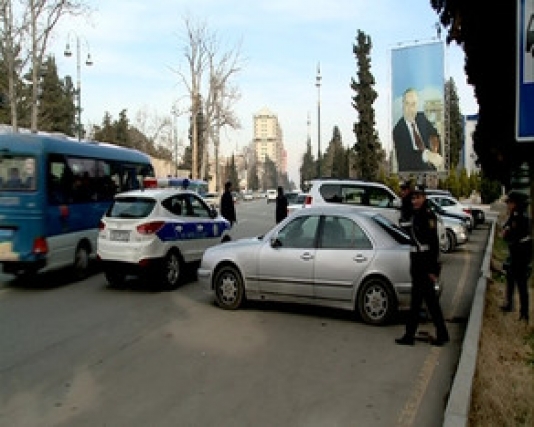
88 62
217 143
318 84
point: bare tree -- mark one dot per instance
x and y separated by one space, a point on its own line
26 32
12 31
43 17
222 96
155 127
208 83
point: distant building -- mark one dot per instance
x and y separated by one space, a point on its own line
163 168
268 139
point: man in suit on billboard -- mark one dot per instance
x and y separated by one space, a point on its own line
416 140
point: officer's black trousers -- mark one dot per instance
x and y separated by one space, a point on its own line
517 274
423 290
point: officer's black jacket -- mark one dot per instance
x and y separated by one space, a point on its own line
425 242
517 235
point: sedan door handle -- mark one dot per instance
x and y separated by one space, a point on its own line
359 258
306 256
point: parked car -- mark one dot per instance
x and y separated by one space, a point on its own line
236 196
271 195
455 228
449 203
325 255
462 216
157 233
478 215
369 196
362 195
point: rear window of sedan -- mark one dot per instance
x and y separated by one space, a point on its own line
131 207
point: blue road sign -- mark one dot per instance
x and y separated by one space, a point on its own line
525 71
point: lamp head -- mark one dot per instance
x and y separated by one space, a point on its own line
67 52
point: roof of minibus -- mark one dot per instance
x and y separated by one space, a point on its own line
60 143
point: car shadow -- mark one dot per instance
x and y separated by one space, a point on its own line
50 279
150 285
315 311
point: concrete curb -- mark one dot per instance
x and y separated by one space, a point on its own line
458 405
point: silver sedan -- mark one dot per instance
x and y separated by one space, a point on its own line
331 256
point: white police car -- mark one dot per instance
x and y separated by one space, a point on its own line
155 233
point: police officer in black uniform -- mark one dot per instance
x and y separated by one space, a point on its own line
281 205
424 269
227 204
516 232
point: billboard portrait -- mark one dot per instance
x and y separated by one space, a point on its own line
417 79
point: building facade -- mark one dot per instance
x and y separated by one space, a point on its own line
268 139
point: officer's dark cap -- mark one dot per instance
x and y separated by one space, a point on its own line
405 185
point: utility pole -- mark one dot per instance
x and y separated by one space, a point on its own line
88 62
318 84
194 139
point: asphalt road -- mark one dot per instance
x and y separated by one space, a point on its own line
83 354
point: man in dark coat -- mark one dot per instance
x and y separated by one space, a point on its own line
516 232
227 204
281 205
424 269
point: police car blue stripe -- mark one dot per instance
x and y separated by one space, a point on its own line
181 230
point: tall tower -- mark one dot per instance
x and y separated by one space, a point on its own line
308 140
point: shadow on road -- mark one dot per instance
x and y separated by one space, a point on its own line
48 280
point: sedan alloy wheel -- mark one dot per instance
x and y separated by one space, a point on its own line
229 289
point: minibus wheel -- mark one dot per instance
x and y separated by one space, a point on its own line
81 261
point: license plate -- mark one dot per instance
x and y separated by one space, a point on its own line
120 235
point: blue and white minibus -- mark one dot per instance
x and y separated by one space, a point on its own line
53 191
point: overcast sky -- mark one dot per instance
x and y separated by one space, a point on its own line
135 45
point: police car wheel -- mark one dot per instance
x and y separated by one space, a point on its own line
171 272
376 301
229 288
